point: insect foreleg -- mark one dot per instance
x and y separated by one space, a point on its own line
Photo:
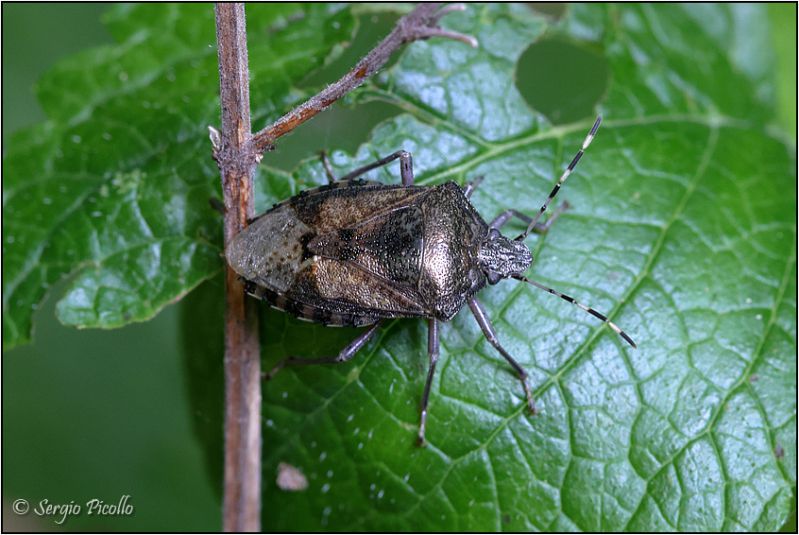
469 188
432 351
538 228
406 167
482 319
331 177
344 355
499 221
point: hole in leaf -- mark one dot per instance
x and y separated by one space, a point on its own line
562 80
555 10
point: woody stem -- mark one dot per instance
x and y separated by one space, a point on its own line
421 23
242 483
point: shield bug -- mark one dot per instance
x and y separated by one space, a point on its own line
356 252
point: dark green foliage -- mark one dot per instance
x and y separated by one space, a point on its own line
114 189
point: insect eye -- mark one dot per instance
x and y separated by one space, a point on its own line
493 234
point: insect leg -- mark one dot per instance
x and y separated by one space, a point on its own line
331 177
469 188
488 330
538 228
344 355
432 351
499 221
406 167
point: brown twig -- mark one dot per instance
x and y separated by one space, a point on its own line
237 152
242 491
421 23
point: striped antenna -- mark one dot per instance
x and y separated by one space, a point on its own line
571 300
588 139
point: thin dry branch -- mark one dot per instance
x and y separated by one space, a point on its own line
421 23
242 490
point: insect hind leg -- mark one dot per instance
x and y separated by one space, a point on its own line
406 167
479 314
343 356
432 351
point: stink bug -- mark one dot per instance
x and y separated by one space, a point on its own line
356 252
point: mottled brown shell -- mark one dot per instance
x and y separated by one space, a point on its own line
356 251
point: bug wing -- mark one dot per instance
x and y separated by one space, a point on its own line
333 292
342 205
376 263
360 254
344 287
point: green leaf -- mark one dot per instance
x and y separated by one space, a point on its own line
682 229
113 190
783 21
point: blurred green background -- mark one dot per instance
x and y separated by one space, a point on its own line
103 414
92 414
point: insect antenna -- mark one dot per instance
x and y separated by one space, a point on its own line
588 139
573 301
